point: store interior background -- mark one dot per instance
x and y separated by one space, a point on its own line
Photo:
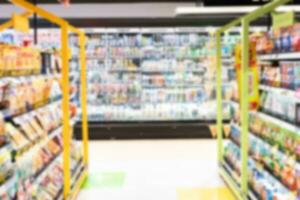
146 159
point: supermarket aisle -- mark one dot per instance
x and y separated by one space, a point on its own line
148 170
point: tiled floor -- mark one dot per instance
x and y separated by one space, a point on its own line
154 170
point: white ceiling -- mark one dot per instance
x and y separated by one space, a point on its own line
133 10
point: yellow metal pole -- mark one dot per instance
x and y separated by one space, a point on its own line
83 93
219 97
244 105
230 25
65 108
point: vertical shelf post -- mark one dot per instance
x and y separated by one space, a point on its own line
219 97
244 105
83 96
65 107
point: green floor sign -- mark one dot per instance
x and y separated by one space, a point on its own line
105 180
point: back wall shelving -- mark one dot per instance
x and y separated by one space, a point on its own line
153 74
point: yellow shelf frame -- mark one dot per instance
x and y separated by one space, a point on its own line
84 117
83 177
65 27
245 22
231 183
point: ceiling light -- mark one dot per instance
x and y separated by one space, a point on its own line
181 11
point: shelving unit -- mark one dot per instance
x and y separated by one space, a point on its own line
125 74
169 71
37 116
260 142
166 63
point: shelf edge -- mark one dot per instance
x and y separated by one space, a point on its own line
80 182
228 180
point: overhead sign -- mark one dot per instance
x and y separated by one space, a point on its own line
281 20
20 23
240 2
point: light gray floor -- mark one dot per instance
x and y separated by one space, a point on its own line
154 169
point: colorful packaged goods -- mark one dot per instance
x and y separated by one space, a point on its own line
285 75
285 140
290 72
261 183
281 40
17 61
276 104
20 95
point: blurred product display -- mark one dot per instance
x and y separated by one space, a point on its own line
152 76
31 118
273 134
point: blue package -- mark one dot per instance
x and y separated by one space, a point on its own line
277 45
8 38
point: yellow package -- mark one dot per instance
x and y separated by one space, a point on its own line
47 88
253 75
29 131
19 140
53 147
39 130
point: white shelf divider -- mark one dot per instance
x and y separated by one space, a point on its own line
280 56
282 91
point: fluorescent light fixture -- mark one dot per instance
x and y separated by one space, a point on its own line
213 10
227 10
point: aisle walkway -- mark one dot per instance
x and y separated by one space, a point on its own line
154 170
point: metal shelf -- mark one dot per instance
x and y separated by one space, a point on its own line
231 183
252 196
283 91
280 56
79 184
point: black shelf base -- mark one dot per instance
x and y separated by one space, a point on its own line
146 130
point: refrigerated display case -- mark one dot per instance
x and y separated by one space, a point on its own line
150 75
153 77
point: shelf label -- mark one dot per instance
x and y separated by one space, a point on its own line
20 23
283 19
